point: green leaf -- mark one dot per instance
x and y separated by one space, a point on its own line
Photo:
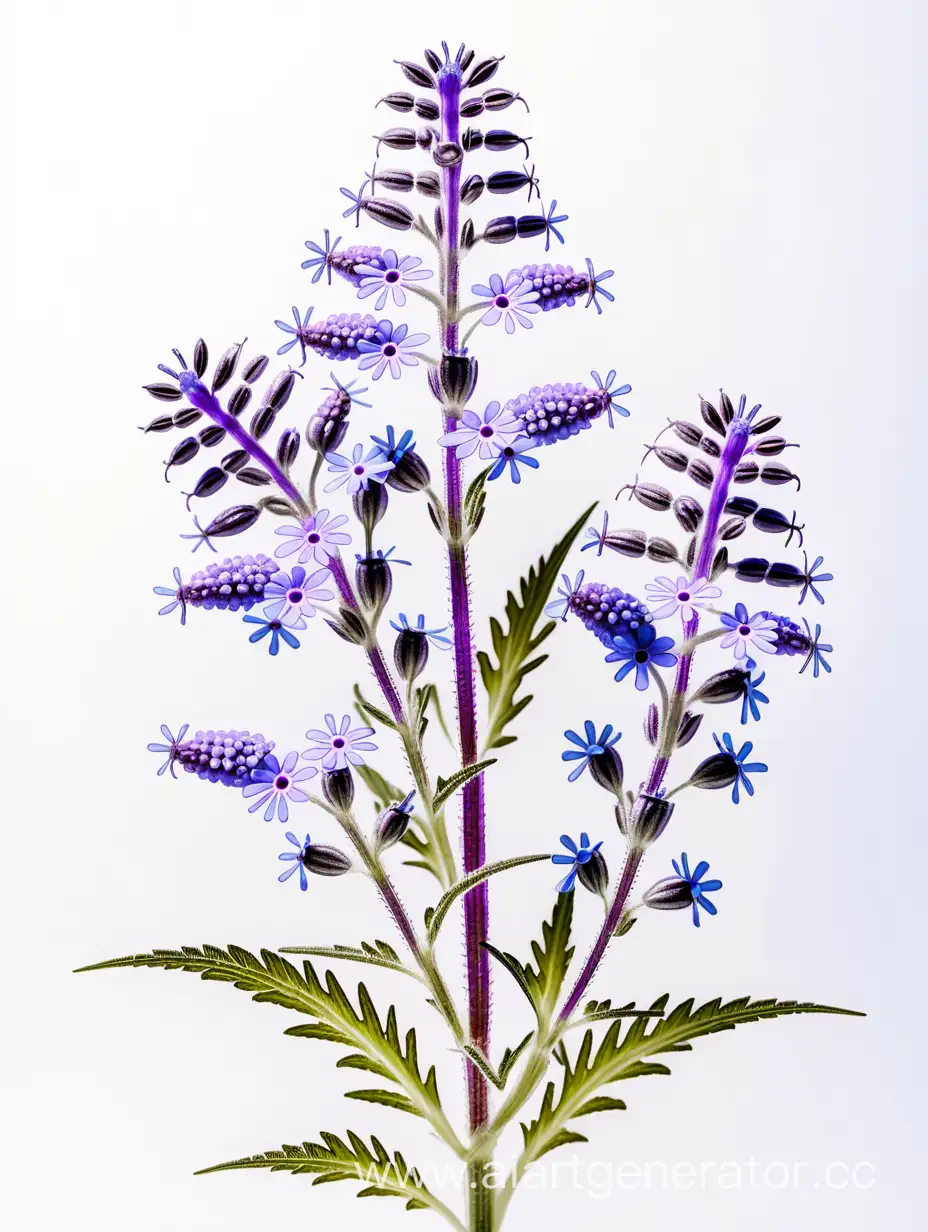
445 788
427 851
475 500
511 1055
383 791
598 1011
515 646
391 1099
479 1058
378 955
542 983
467 883
333 1159
619 1057
276 980
366 710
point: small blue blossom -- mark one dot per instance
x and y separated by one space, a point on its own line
170 748
201 537
726 747
817 651
354 210
391 448
605 386
596 288
514 455
357 471
550 222
590 746
597 537
299 331
380 554
176 594
433 635
276 630
295 595
810 578
276 784
698 887
578 855
322 257
757 632
388 277
394 347
752 694
339 745
557 609
298 857
641 649
513 300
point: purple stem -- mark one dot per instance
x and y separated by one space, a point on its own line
476 901
374 653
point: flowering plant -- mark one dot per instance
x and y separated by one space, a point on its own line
652 645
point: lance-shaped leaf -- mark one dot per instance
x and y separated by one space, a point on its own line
383 791
377 955
446 901
515 646
619 1057
368 711
445 788
373 1167
276 980
542 983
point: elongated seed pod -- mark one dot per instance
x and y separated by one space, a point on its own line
182 453
208 484
688 512
700 472
184 418
212 436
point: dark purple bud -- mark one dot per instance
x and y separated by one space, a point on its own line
411 474
772 446
262 421
447 154
427 109
782 574
689 726
370 504
389 213
719 564
723 687
329 424
501 230
472 139
254 368
457 377
279 391
746 472
651 724
719 770
161 423
726 410
752 569
765 425
184 452
418 75
234 461
711 416
325 861
287 448
189 415
674 459
648 820
773 522
200 357
669 894
432 59
741 506
498 99
710 445
253 477
397 139
651 495
225 369
689 433
278 506
471 189
399 100
482 72
349 626
776 473
731 528
607 770
700 472
594 874
211 436
427 183
662 550
374 580
392 824
209 483
530 225
410 653
627 542
395 178
439 222
163 392
688 512
689 557
508 181
471 108
427 137
468 237
232 521
338 789
501 139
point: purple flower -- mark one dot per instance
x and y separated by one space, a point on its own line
277 784
756 631
392 348
680 596
177 597
339 745
170 748
294 594
641 649
298 857
514 456
578 856
358 470
277 631
513 300
557 609
315 538
489 434
392 449
674 893
300 332
389 278
227 757
552 413
810 577
817 651
323 257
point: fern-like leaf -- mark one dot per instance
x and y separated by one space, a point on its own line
542 982
515 646
377 955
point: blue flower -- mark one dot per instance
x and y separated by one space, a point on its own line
170 748
391 448
726 748
380 554
322 259
596 288
642 649
589 747
396 346
597 537
299 858
177 596
752 694
817 651
810 577
551 221
578 856
698 887
276 630
356 199
357 471
299 331
514 456
557 609
605 386
433 635
276 784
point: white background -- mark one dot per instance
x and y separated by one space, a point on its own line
748 170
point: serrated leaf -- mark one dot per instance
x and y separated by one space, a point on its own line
366 709
542 983
444 904
381 956
381 1174
445 788
600 1103
515 646
475 499
390 1099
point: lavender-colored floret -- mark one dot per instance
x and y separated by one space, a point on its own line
790 639
557 285
338 335
227 757
552 413
346 260
608 611
236 583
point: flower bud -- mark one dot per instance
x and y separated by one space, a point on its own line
374 580
232 521
399 100
498 99
410 474
472 107
208 484
182 453
225 369
689 726
427 184
287 448
370 504
186 416
606 769
651 724
349 626
326 861
410 653
594 874
745 472
673 459
777 473
662 550
239 400
482 72
712 417
254 369
719 770
392 214
393 823
652 495
427 109
338 788
669 894
688 512
447 154
418 75
723 687
456 378
731 528
501 230
752 569
211 436
760 426
648 820
471 189
701 472
400 138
